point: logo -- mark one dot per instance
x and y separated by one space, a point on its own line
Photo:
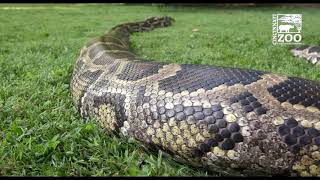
286 28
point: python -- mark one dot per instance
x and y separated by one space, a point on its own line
228 120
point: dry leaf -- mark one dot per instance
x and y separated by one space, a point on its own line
195 30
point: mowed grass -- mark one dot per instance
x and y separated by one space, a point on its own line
41 133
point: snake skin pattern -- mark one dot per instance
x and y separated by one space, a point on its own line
228 120
310 53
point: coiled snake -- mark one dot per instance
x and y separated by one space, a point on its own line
228 120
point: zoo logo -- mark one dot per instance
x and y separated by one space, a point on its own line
286 28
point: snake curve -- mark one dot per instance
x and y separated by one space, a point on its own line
309 53
228 120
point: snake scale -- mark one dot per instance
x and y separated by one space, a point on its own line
228 120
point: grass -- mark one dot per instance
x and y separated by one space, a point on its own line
41 132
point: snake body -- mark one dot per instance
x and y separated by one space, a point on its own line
228 120
310 53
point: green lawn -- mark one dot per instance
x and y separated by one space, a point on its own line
41 132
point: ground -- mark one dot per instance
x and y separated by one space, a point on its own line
41 133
